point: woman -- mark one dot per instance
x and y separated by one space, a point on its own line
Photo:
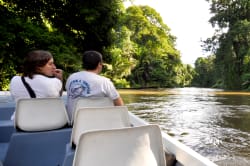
40 78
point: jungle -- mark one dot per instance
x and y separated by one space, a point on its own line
138 47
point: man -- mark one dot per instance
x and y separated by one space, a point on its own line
88 83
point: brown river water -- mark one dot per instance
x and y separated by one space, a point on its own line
214 123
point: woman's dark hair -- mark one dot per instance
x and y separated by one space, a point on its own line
91 59
35 59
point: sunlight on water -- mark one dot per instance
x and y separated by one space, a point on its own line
214 123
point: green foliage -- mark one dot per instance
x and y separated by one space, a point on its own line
246 81
219 84
20 35
6 72
121 83
121 54
156 57
205 70
89 22
138 48
231 43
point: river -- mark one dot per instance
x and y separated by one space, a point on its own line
214 123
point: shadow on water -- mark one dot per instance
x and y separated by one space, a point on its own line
215 123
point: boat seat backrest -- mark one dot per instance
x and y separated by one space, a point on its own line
40 114
91 102
98 118
135 146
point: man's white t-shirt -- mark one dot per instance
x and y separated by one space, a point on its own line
42 86
87 84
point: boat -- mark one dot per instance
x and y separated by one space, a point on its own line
176 153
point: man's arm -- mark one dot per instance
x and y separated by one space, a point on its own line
118 102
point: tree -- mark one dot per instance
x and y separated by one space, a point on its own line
232 40
157 59
66 28
20 34
204 69
121 52
138 48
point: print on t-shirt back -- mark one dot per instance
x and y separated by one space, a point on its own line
78 88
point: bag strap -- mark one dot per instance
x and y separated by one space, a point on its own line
30 90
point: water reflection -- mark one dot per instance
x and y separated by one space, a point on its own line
212 122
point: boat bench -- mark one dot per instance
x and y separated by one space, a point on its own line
41 133
3 149
37 148
6 125
6 113
69 155
6 130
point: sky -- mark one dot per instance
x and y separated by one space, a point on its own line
188 21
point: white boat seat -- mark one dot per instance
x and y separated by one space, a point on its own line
91 102
40 114
99 118
136 146
42 132
95 118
